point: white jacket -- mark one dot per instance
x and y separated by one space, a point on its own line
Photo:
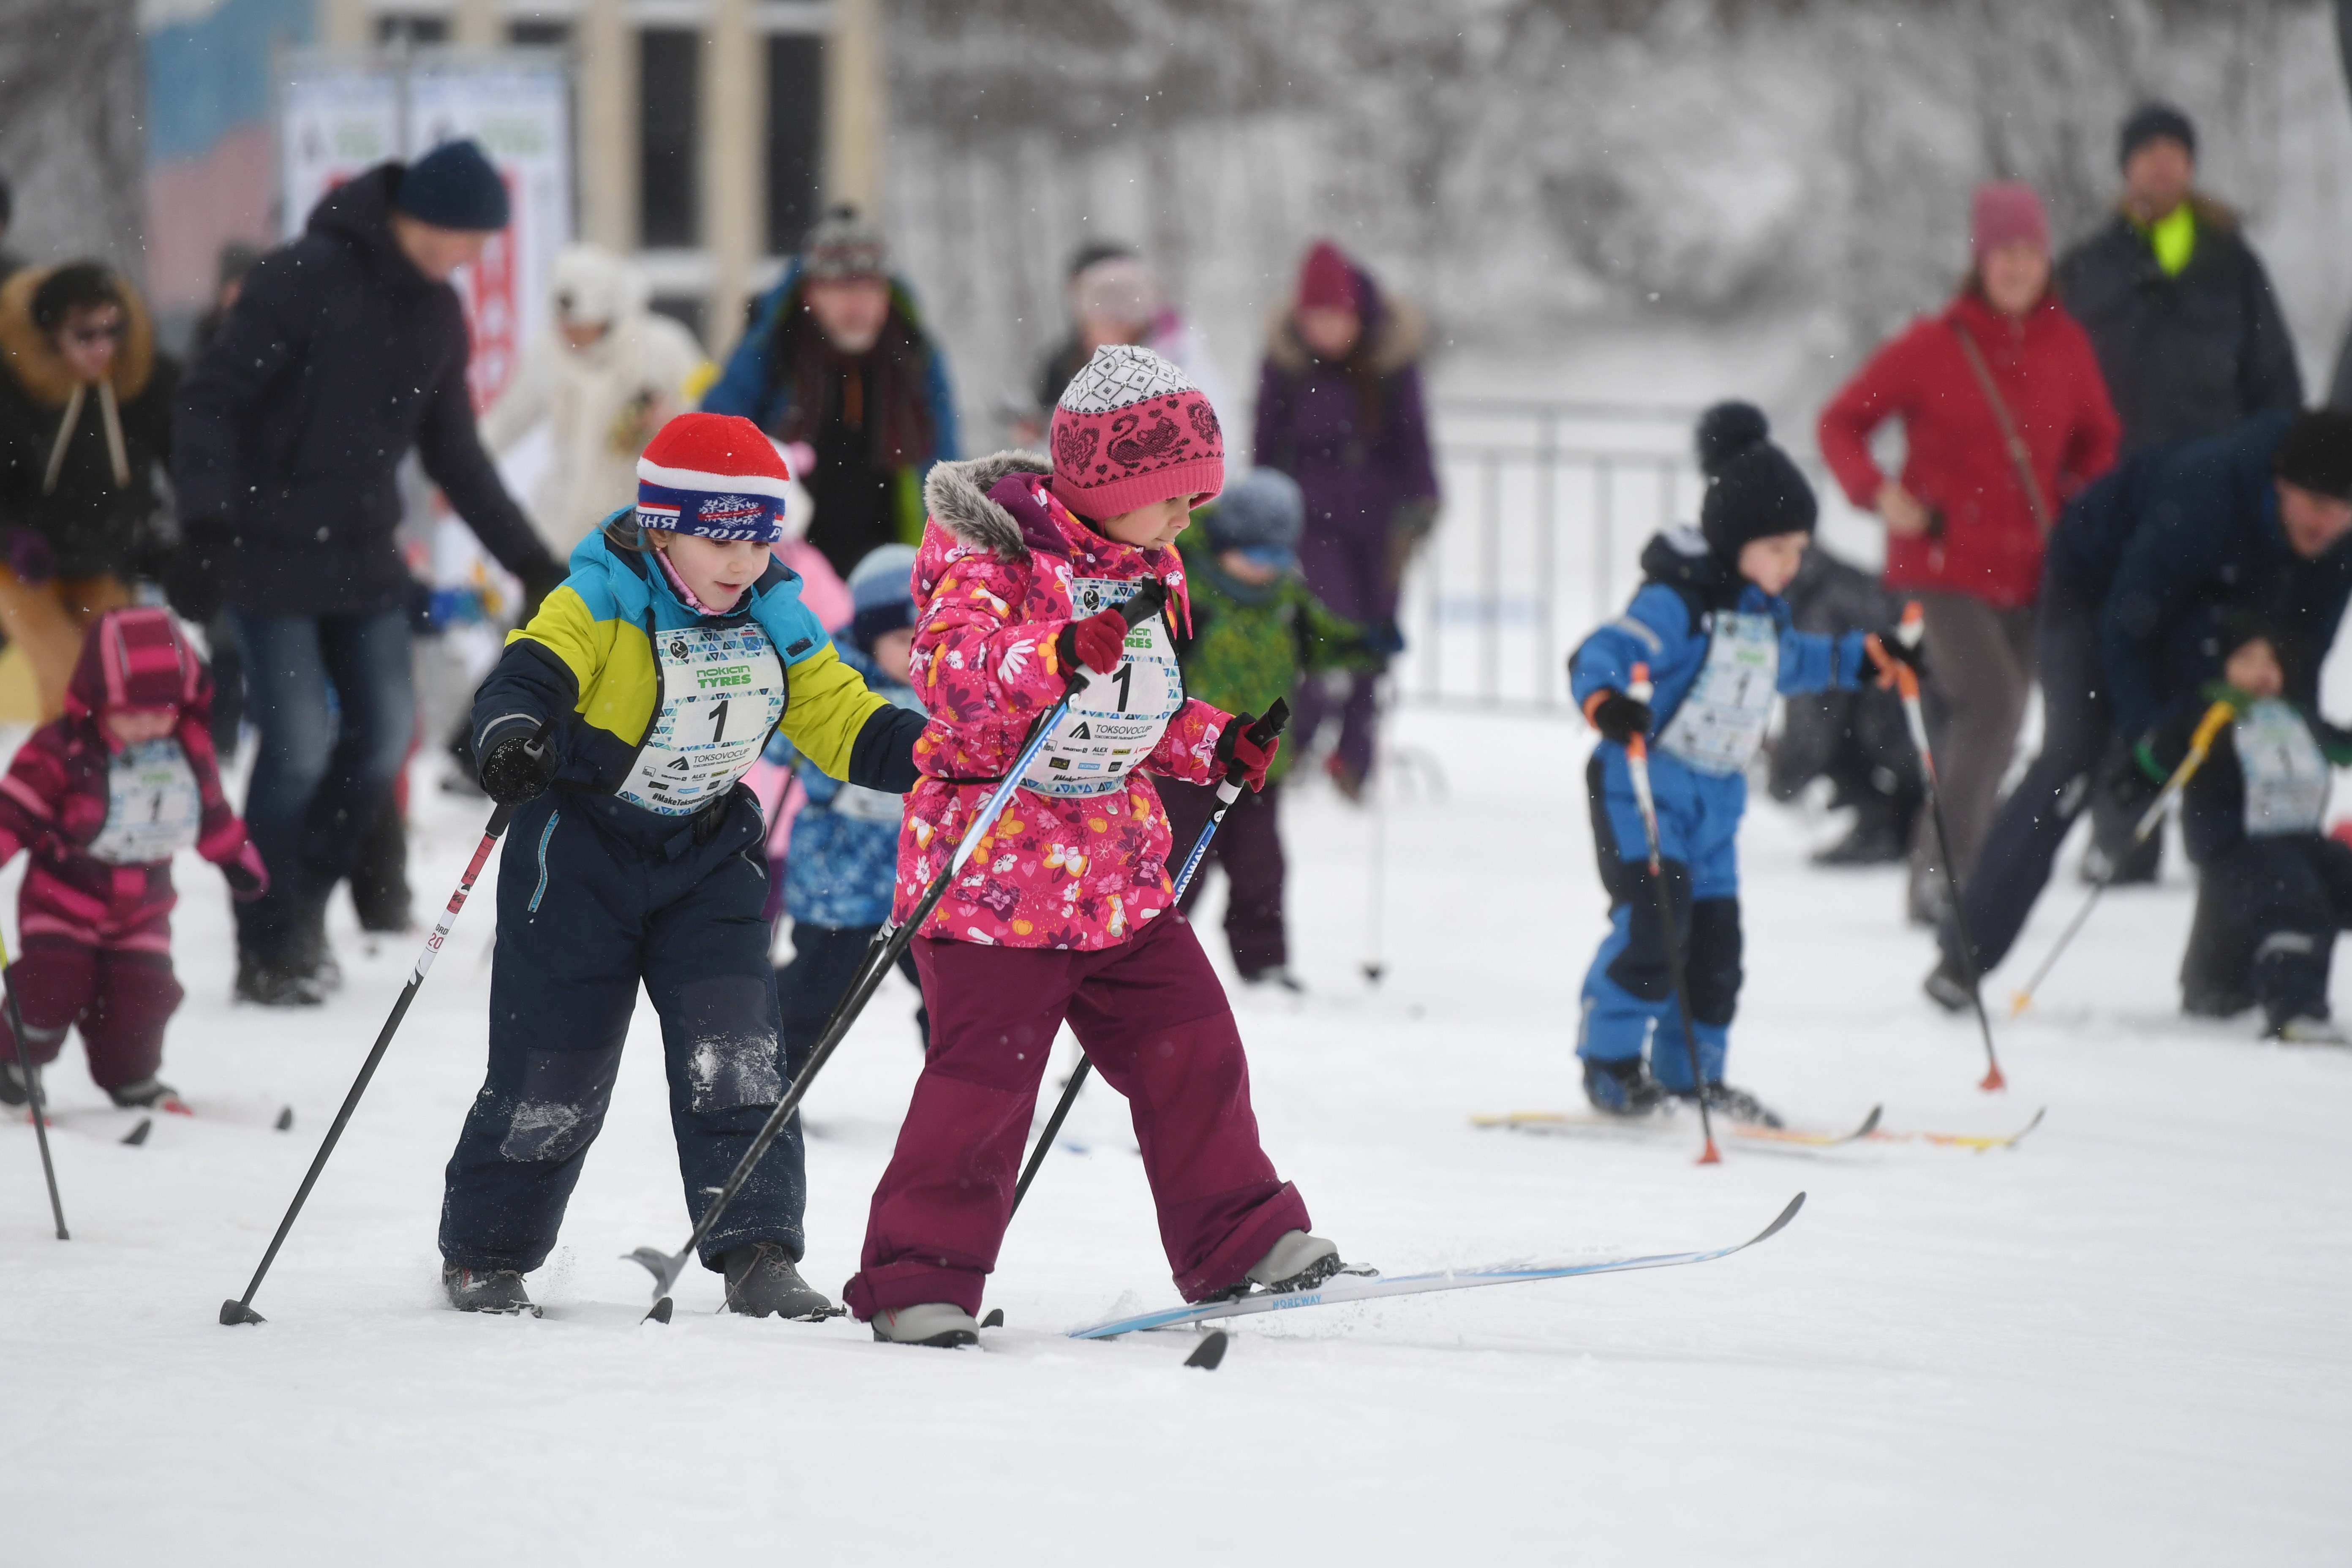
602 403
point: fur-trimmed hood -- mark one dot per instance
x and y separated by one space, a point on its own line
956 496
37 366
1399 331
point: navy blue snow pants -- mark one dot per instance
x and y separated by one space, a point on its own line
594 895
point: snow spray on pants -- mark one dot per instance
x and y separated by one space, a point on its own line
592 898
1628 1001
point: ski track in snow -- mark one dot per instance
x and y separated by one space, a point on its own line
2121 1341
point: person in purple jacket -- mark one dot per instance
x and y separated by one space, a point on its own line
1340 410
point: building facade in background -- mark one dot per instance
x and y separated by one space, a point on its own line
706 134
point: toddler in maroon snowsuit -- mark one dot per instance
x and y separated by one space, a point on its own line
1063 911
103 797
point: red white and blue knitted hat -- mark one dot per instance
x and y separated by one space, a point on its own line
715 475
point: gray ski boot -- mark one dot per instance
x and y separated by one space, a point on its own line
939 1323
486 1291
1296 1262
762 1281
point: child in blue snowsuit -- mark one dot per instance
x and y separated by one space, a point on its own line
641 692
843 868
1710 625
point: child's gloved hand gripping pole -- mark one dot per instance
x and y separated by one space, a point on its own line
33 1096
1637 763
1906 682
1264 733
882 953
240 1310
2200 744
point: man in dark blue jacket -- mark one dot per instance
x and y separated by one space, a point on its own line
2140 571
345 350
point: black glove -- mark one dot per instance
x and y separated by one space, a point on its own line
1618 717
1887 649
520 769
197 582
2129 779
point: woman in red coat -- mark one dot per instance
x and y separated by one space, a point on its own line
2004 417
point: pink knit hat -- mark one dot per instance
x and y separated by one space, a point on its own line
1132 430
1327 282
2005 210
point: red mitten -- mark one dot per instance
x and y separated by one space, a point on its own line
1236 746
1099 642
247 877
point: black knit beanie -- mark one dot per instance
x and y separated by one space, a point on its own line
1753 490
2149 122
2315 453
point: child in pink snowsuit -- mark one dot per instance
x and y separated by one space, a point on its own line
1065 910
103 797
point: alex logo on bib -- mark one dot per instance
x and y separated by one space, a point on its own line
153 809
1115 720
2285 772
1723 716
721 690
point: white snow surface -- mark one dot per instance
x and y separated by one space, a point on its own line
2121 1342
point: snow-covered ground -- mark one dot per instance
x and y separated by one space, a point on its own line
2121 1341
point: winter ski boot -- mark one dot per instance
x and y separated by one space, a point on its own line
13 1088
762 1281
1737 1104
151 1094
486 1291
1945 987
1622 1087
939 1323
1296 1262
270 986
2308 1030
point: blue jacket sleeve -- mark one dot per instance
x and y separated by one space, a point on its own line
1654 630
946 447
1811 661
742 387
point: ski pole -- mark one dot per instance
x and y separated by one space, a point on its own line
33 1092
240 1310
1263 731
1377 965
1907 681
883 953
2199 745
1637 762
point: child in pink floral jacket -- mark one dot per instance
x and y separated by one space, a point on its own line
1063 911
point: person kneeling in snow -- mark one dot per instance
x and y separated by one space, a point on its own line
1710 625
643 692
103 797
2250 819
1063 914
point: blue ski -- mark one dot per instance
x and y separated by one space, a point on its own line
1370 1287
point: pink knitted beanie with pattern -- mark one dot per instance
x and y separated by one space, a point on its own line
1130 430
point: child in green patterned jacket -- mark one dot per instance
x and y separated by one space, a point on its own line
1256 630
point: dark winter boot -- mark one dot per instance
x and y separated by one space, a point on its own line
762 1282
486 1291
151 1094
1946 987
270 986
940 1324
13 1089
1298 1261
1623 1088
1737 1104
312 958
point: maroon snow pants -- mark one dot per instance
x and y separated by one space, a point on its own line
100 961
1154 1021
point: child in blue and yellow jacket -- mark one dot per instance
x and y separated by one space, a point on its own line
641 692
1716 639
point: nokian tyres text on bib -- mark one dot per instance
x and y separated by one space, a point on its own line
722 691
1115 720
152 808
1722 719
